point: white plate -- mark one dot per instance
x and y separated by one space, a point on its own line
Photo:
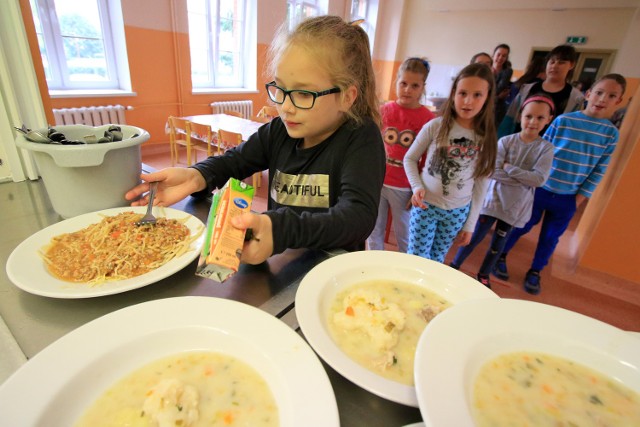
56 386
456 344
26 268
320 286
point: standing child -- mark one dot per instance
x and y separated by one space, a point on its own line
560 61
324 152
583 144
523 163
461 153
402 119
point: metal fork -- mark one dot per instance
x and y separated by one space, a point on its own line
148 218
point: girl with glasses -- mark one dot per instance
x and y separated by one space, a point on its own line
461 152
324 152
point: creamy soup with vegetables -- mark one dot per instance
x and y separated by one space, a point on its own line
186 390
535 389
378 324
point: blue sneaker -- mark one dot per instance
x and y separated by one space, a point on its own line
500 269
532 282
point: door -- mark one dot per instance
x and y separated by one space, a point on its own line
590 67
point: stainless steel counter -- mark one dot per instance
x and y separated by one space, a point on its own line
36 322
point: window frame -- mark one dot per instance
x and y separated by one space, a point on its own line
247 50
320 7
113 38
370 18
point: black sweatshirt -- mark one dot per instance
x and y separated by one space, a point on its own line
323 197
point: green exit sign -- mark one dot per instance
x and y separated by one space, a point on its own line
576 39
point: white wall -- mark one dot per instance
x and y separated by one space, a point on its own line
388 27
627 62
449 39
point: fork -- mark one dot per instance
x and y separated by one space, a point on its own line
148 218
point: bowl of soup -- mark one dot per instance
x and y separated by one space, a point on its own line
516 362
363 313
188 361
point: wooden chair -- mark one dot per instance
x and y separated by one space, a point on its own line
233 113
227 140
181 132
267 113
199 138
177 136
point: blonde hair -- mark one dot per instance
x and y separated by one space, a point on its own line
483 123
342 51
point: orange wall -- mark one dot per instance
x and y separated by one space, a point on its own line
385 78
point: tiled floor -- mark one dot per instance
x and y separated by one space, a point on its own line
594 294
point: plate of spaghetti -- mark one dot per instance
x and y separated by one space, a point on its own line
103 253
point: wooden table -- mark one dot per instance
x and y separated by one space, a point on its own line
224 121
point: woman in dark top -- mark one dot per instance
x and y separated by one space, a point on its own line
503 72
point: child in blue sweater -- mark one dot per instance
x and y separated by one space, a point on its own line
583 144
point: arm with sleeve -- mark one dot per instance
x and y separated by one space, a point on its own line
480 186
420 145
499 174
575 101
540 171
591 182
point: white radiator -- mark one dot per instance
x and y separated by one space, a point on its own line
243 107
92 116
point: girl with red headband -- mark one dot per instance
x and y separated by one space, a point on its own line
523 163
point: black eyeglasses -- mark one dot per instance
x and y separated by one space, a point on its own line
303 99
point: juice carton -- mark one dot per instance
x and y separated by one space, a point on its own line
222 248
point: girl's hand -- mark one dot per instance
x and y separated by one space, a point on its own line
463 238
174 184
260 246
417 199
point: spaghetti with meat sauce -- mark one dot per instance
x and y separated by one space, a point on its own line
116 249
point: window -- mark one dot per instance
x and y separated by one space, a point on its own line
299 10
366 10
79 45
222 42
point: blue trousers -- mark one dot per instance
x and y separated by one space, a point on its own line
499 239
432 230
557 209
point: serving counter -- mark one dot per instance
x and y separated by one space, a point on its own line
35 321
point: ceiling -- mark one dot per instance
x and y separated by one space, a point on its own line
452 5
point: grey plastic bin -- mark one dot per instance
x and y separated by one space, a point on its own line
88 177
